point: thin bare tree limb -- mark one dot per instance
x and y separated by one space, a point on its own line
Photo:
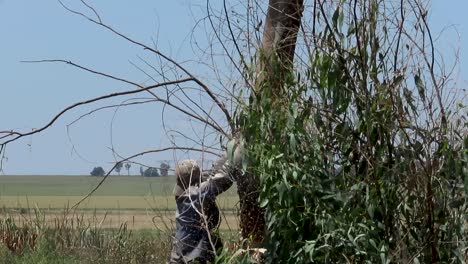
164 56
110 106
57 116
92 9
84 68
91 71
215 124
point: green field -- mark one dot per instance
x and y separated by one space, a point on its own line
139 201
81 185
117 192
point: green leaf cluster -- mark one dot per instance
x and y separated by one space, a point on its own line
353 167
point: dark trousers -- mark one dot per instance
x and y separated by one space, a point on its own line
206 256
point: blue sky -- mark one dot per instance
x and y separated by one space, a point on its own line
30 94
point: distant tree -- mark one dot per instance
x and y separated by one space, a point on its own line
118 167
127 167
98 171
164 169
142 172
151 172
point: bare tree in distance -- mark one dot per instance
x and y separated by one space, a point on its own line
127 167
164 169
118 167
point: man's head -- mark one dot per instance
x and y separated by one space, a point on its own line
188 174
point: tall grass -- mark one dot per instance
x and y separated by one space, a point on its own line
31 235
76 240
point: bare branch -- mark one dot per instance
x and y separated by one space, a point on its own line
92 9
215 124
164 56
110 106
86 69
56 117
91 71
209 16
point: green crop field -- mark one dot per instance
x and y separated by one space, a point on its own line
120 199
81 185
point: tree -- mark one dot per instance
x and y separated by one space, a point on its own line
97 171
277 48
164 169
352 154
118 167
348 152
127 167
151 172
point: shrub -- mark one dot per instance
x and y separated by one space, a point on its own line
359 158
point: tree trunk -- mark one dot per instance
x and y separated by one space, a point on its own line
281 27
278 45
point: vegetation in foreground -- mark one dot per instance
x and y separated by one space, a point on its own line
75 241
37 226
78 241
361 157
359 154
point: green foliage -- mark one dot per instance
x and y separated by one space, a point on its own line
151 172
354 167
98 171
44 254
5 255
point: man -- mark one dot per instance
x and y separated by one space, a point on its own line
197 216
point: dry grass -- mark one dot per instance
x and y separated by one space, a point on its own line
91 237
130 220
134 220
114 202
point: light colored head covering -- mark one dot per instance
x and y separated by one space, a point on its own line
188 174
